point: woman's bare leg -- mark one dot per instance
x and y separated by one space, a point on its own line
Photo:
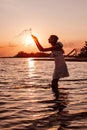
54 86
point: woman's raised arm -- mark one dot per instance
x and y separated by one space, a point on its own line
37 43
42 48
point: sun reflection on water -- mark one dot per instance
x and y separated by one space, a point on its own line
31 66
31 63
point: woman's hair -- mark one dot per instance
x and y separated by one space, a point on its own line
54 37
60 44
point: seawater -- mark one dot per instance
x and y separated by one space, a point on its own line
27 101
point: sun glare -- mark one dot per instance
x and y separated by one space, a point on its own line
27 40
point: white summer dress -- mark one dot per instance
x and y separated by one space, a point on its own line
60 70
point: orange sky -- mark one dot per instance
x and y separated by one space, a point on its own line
65 18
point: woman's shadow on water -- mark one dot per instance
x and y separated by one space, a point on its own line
60 105
56 118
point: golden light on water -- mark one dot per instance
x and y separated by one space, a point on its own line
31 63
31 66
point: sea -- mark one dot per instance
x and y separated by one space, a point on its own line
28 103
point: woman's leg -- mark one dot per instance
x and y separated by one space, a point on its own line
54 86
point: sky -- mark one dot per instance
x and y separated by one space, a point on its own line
65 18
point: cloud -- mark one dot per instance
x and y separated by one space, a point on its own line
2 46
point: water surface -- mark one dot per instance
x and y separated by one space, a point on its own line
27 101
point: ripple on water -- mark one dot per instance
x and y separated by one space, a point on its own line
27 101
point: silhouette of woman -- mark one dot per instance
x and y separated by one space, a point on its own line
60 70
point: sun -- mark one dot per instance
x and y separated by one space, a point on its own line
27 40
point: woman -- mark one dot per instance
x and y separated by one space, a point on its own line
60 70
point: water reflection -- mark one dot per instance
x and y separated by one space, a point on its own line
31 67
31 63
60 106
54 113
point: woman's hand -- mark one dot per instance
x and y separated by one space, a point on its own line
34 38
37 43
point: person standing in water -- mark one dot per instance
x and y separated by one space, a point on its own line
60 69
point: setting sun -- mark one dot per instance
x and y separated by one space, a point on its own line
27 40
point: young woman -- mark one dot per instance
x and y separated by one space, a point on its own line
60 70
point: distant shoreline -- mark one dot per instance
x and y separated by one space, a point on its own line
78 59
